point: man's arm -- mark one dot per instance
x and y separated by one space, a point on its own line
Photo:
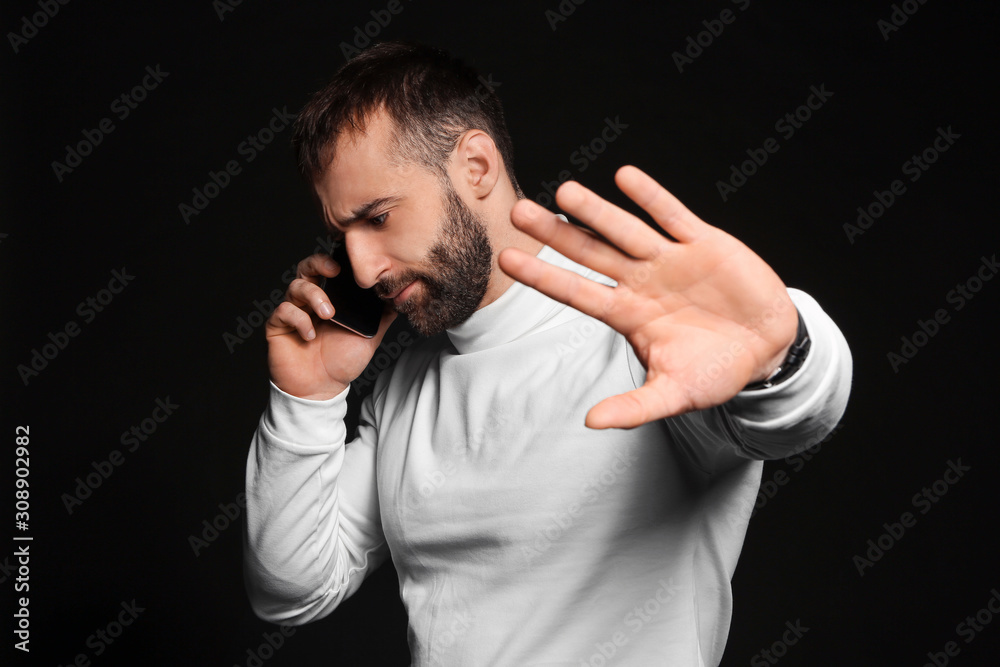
313 525
313 528
683 303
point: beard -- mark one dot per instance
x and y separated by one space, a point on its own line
461 262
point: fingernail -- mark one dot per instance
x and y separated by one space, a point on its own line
310 334
325 311
330 264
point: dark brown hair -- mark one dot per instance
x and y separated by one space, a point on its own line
431 97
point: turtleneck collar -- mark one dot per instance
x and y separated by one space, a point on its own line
520 310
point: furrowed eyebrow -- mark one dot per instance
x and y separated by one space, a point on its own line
367 209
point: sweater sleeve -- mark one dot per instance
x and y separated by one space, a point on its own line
778 421
313 531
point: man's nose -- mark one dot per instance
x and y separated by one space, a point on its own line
367 262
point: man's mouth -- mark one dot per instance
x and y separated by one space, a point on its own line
400 295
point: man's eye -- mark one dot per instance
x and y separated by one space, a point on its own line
378 220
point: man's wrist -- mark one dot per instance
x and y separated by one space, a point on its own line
797 353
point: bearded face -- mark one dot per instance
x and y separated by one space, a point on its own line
457 272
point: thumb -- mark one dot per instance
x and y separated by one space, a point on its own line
654 400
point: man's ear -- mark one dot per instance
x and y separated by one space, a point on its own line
477 163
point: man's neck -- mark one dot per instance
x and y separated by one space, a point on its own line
500 282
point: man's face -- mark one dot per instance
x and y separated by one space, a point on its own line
408 233
459 264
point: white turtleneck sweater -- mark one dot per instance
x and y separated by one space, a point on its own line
520 536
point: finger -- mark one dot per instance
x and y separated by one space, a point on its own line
314 266
653 400
571 241
287 317
624 230
564 286
303 292
669 213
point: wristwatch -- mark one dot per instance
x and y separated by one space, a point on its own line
796 356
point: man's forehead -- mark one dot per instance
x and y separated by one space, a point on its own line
357 182
358 165
358 191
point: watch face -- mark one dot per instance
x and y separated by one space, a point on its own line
356 309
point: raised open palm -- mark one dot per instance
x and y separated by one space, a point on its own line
704 314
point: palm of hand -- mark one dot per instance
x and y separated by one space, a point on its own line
704 314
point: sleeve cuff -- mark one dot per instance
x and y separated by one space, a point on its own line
301 422
807 405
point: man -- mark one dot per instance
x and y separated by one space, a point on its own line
525 528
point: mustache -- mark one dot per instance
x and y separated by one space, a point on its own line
393 284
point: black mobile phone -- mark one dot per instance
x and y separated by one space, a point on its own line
355 308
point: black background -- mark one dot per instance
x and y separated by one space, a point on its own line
162 336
